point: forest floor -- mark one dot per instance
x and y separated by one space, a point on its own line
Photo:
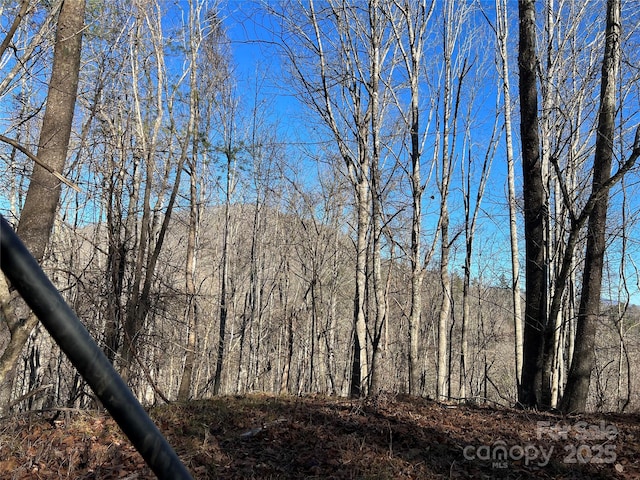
388 437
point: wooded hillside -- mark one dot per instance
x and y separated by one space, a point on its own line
391 202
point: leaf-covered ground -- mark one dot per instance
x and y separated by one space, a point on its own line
387 437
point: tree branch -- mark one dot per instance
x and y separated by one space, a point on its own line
24 6
56 174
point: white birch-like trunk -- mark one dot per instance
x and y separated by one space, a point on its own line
501 12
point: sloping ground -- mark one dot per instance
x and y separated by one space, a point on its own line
388 437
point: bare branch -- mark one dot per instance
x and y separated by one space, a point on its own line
14 26
53 172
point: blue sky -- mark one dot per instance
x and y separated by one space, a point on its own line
254 57
260 75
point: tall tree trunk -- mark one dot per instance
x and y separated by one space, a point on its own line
146 140
193 138
379 295
224 275
332 320
287 329
549 100
445 306
379 291
451 102
502 32
43 195
360 367
470 223
577 389
191 312
413 23
336 102
535 212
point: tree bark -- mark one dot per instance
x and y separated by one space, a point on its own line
376 34
413 24
451 101
577 389
535 212
43 195
502 33
354 148
191 313
360 368
224 275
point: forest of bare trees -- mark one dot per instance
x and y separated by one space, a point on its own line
437 198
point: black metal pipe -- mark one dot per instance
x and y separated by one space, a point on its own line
45 301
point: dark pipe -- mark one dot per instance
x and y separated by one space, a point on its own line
43 298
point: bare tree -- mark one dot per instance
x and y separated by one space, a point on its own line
379 44
230 149
41 202
560 243
230 154
409 29
577 389
146 137
22 12
472 207
333 56
502 49
535 211
196 32
150 90
565 75
27 48
455 69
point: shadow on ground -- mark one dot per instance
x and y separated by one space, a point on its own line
387 437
